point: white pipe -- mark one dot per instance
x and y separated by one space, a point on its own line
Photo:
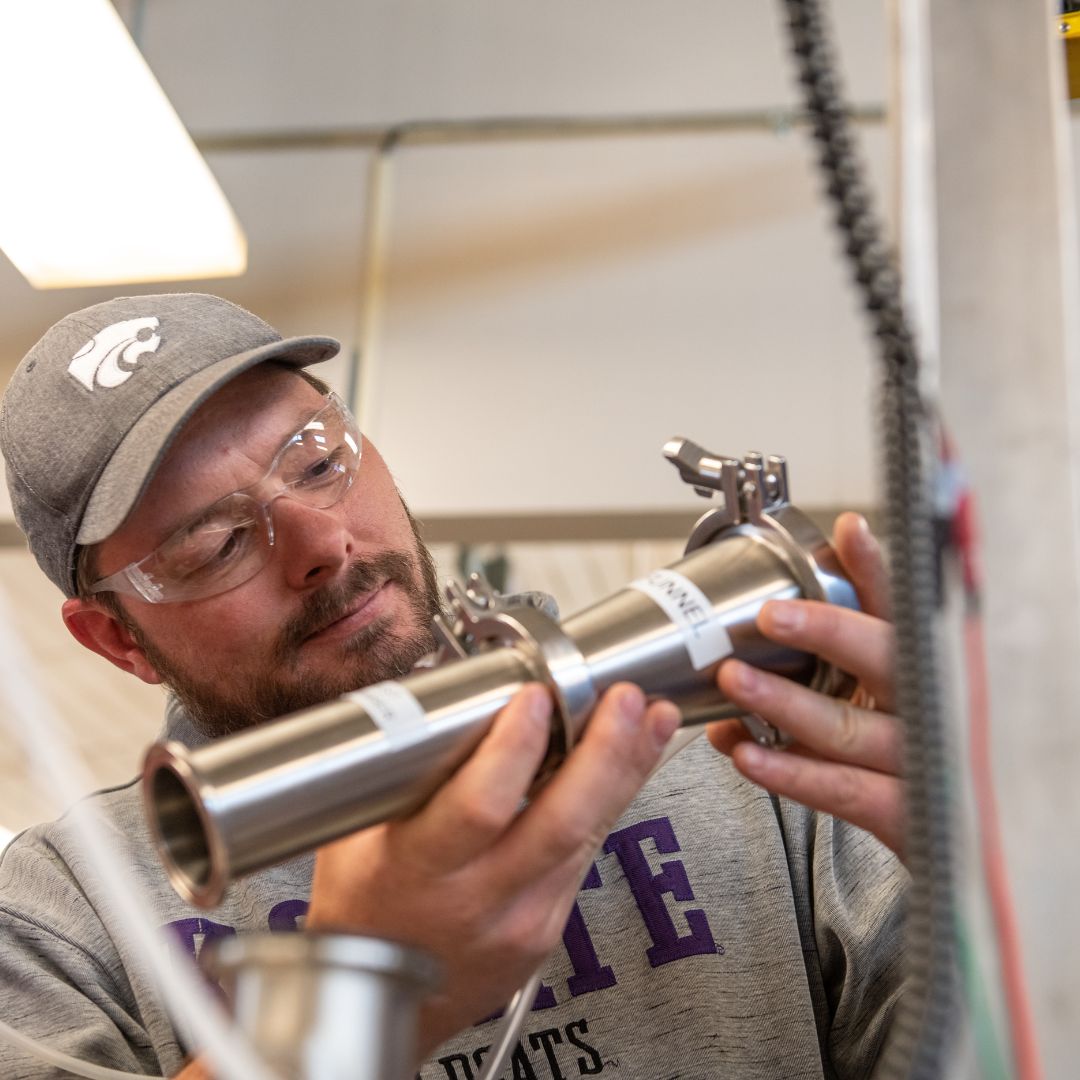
127 913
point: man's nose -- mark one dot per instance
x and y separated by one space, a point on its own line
313 544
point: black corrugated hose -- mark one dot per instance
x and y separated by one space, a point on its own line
919 1041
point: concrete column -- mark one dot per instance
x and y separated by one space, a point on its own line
1009 286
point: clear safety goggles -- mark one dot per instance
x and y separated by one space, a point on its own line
230 541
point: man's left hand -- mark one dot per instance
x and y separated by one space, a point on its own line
846 757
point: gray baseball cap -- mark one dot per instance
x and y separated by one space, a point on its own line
94 405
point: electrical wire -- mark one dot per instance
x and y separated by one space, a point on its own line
506 1035
1017 1003
964 538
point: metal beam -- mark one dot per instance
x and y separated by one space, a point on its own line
610 526
513 129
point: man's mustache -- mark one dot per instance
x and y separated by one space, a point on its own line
332 602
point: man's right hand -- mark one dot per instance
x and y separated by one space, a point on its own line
471 877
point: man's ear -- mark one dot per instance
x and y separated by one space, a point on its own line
102 632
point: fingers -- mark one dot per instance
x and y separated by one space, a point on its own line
621 744
846 760
854 641
573 813
861 557
484 795
724 734
871 800
828 727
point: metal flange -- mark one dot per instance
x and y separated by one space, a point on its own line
483 619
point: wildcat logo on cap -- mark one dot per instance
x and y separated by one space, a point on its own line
109 358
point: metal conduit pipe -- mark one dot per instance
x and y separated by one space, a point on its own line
516 129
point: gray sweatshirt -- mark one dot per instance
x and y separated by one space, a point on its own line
720 932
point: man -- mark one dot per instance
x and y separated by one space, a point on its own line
218 525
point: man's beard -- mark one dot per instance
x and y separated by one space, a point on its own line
374 653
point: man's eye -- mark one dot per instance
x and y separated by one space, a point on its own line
210 550
324 470
227 549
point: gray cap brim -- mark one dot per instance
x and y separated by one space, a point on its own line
138 455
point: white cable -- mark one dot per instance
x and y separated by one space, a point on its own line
45 741
506 1035
678 742
65 1061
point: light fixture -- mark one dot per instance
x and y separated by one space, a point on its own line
100 182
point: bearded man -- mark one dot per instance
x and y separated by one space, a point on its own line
219 525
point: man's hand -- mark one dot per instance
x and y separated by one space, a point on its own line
483 885
846 760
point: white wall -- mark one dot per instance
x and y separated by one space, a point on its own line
557 311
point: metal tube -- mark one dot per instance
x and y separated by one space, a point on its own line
259 797
326 1006
272 792
515 129
628 636
373 288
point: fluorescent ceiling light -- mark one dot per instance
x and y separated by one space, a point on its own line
100 181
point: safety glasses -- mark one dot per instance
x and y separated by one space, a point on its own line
230 541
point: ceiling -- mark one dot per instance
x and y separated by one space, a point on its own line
243 66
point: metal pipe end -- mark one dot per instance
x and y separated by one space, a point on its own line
187 841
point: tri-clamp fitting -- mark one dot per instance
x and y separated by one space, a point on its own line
482 619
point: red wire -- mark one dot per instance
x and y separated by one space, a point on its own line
1003 913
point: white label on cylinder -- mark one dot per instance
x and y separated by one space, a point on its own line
391 706
705 636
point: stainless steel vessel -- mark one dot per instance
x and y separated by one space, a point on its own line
325 1006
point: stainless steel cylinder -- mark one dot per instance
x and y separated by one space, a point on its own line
272 792
259 797
325 1006
785 557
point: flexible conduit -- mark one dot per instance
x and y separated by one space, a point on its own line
919 1041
